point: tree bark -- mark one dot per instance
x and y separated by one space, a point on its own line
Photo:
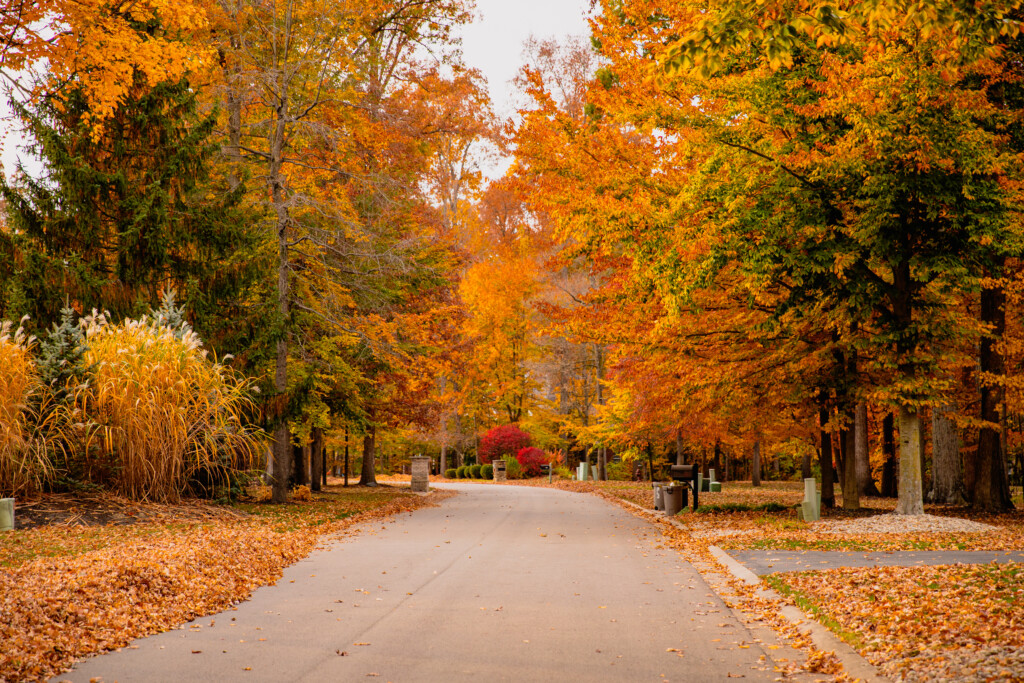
991 483
444 457
755 467
716 460
860 429
805 466
851 489
316 460
911 486
679 446
828 491
889 484
947 471
369 476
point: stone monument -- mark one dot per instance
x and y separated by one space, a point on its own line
420 473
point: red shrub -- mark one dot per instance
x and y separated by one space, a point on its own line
531 459
506 440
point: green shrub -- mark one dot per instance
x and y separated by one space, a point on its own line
487 472
474 471
619 471
513 470
562 472
449 473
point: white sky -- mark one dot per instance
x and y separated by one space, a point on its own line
494 42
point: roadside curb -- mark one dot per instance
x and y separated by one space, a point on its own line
821 636
856 666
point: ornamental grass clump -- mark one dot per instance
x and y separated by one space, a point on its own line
165 413
24 462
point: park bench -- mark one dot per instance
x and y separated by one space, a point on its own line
687 474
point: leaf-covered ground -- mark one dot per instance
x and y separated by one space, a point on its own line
959 622
67 591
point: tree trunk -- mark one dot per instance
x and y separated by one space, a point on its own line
444 458
282 465
991 483
860 430
369 476
316 460
911 487
755 467
602 473
889 486
851 489
947 471
679 446
300 465
828 491
805 466
716 460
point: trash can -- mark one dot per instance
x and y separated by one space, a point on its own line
659 495
673 498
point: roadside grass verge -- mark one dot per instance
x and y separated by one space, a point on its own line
952 622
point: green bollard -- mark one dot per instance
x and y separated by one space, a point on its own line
6 514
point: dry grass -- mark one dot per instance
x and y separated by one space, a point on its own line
24 461
163 410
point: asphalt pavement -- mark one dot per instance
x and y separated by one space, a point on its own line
499 583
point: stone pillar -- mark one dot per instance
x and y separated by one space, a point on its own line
420 473
499 470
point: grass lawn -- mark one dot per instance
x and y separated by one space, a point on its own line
70 589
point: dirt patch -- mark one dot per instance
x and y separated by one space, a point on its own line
65 509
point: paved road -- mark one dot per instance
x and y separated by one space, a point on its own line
498 583
763 562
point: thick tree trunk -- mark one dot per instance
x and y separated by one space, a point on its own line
851 489
860 429
755 467
300 469
316 460
716 461
911 486
889 486
282 454
828 491
947 471
991 483
369 476
602 472
805 466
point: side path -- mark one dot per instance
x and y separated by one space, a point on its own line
763 562
499 583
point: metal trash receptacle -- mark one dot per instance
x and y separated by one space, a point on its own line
673 498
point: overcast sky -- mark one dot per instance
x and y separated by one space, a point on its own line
494 42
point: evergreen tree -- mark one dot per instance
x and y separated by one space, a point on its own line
128 210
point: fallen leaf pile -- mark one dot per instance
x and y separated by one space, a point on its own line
962 622
114 584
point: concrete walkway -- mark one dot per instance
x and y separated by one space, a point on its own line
500 583
763 562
